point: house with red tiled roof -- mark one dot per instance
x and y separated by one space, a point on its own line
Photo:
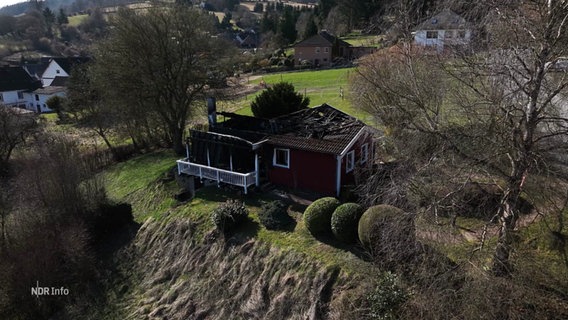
318 149
325 49
320 50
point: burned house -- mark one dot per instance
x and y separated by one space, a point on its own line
317 149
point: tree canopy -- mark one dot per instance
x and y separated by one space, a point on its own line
278 100
490 115
162 63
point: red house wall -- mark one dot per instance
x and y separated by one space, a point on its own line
349 177
308 170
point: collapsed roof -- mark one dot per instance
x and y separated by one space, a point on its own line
321 129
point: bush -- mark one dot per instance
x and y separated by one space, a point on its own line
388 233
317 216
274 215
278 100
229 214
345 220
387 297
110 218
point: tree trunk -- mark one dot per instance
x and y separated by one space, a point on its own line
115 154
3 233
177 141
508 215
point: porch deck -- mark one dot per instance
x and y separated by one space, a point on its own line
244 180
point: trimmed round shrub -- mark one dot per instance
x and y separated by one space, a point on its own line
317 216
274 215
387 232
345 220
229 214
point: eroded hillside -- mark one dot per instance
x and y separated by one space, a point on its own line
177 277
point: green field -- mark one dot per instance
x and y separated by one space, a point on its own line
76 20
321 86
362 40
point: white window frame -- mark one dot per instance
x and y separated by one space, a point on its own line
432 34
326 50
20 95
364 153
318 49
274 158
350 161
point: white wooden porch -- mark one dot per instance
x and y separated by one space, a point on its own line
244 180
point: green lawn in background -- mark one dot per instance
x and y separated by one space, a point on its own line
321 86
362 40
76 20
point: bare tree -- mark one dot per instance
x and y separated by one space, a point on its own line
163 60
5 209
84 102
15 127
497 113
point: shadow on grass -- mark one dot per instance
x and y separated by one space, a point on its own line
244 232
214 194
354 248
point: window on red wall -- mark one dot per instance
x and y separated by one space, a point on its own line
350 162
281 158
364 153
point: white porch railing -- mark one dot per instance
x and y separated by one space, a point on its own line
205 172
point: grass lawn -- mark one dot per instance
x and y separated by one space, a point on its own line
140 182
362 40
321 86
76 20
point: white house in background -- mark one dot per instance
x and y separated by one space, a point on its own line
15 82
445 28
37 99
53 70
60 67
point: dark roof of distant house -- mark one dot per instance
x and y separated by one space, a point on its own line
321 39
67 63
16 78
49 90
36 69
445 20
59 82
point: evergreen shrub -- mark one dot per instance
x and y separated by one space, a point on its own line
345 221
274 215
229 214
317 216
